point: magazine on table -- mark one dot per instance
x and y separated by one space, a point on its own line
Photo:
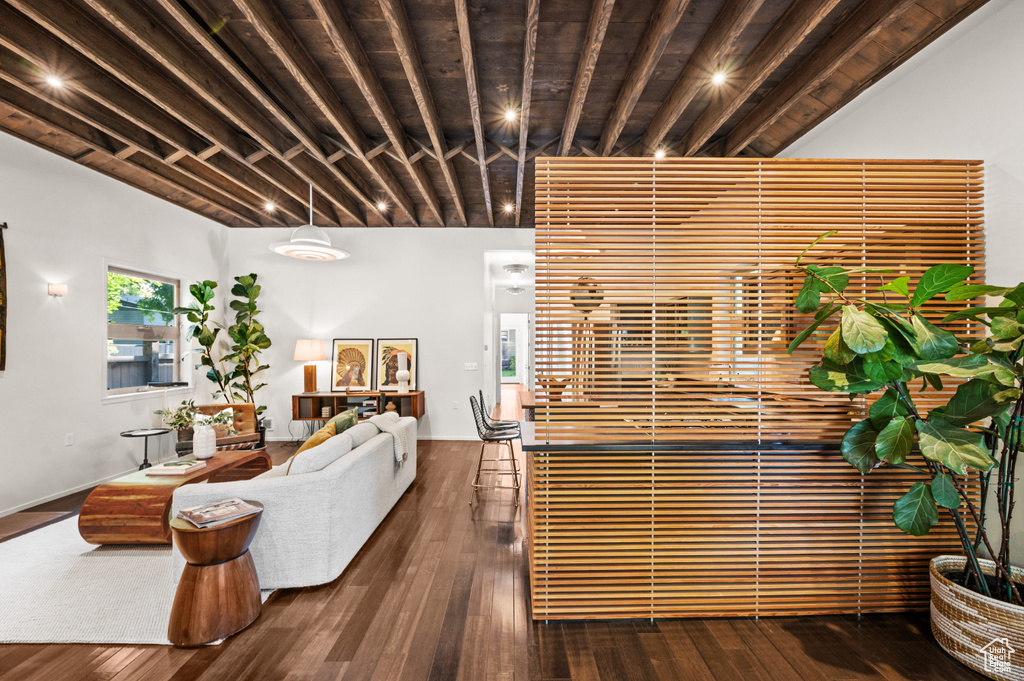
217 512
176 468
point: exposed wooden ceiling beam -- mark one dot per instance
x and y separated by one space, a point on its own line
276 102
662 24
697 73
34 106
600 14
267 20
856 31
401 32
792 27
344 38
529 56
145 96
473 89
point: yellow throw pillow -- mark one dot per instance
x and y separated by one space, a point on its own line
319 437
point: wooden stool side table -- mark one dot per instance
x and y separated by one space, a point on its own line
219 591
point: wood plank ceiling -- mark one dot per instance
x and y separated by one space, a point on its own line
395 110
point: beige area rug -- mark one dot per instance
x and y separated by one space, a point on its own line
57 588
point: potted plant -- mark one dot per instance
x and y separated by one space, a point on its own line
185 417
883 347
248 340
205 332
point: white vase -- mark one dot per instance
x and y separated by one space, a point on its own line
204 442
402 375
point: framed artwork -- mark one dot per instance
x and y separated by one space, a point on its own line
351 365
387 362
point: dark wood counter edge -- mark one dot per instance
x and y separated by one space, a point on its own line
532 444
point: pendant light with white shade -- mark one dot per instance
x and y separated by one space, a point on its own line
309 242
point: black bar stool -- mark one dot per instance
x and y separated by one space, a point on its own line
489 436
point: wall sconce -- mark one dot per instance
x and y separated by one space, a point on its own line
57 290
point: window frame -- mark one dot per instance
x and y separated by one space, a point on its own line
171 333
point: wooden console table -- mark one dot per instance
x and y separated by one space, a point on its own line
136 508
308 406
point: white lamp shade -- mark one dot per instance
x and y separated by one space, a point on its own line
309 351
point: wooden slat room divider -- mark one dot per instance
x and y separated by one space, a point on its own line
683 463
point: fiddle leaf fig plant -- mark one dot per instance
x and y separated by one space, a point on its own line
883 347
248 340
205 332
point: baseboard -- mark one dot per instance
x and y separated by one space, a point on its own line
58 495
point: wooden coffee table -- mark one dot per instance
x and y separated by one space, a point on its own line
136 508
219 591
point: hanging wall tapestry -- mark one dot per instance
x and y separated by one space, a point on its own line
3 301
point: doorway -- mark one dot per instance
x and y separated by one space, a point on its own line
514 342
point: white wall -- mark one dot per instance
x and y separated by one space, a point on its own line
66 223
399 283
960 97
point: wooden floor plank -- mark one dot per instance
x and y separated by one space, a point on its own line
441 592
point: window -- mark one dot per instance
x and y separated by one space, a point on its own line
143 337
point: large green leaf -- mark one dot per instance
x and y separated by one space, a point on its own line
819 319
883 371
836 350
968 291
844 379
959 367
939 279
862 333
904 343
858 446
832 278
809 297
898 285
915 511
886 408
895 441
978 399
935 343
955 448
1005 328
944 491
975 312
1015 295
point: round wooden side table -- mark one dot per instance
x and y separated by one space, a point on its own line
219 591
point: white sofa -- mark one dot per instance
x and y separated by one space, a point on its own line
314 523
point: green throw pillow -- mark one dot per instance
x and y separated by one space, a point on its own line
345 420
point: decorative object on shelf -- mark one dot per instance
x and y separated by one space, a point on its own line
876 347
403 372
325 412
309 351
388 350
351 365
204 441
309 242
3 300
391 407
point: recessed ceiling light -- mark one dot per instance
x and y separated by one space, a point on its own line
382 206
54 81
510 115
509 207
660 153
718 78
270 207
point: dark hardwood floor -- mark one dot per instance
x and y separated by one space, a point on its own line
440 592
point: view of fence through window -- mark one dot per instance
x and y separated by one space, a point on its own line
142 332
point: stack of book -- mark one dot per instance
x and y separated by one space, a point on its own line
217 512
176 468
368 408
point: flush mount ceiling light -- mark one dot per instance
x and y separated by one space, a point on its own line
515 290
54 81
718 78
515 268
309 242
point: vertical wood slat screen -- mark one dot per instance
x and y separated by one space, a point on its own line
664 307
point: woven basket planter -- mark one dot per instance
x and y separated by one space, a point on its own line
969 626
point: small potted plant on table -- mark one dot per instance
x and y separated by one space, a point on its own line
185 417
973 440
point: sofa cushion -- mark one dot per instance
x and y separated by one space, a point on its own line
320 456
345 420
319 437
361 433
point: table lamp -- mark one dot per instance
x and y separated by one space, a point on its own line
309 351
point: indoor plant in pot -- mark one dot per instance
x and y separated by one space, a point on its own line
881 346
186 417
248 340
